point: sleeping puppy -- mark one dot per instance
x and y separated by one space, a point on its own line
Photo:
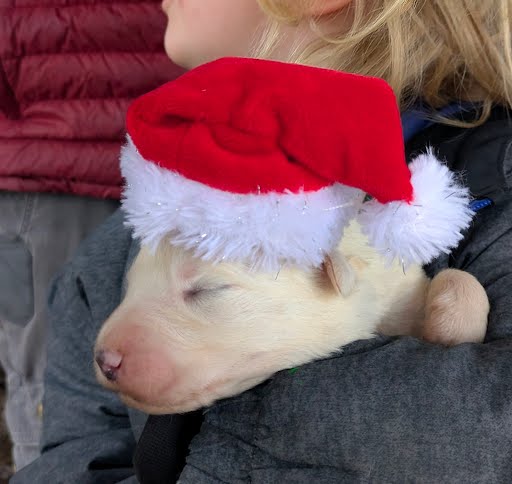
189 332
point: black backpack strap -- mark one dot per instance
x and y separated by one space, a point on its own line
163 446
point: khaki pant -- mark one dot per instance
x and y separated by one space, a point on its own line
38 234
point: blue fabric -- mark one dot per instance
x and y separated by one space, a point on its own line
477 205
419 119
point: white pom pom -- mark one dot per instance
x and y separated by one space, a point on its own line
432 224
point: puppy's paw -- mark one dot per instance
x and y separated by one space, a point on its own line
456 309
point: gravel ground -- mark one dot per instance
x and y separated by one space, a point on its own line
6 469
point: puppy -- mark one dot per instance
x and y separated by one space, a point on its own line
190 332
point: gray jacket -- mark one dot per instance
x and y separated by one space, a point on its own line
385 410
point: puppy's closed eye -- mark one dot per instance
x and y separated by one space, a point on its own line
197 292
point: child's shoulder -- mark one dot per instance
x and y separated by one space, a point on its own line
95 274
483 154
483 157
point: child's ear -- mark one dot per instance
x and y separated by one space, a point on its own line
317 8
340 273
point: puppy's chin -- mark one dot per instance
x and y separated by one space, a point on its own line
196 400
152 409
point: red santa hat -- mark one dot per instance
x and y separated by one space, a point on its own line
266 163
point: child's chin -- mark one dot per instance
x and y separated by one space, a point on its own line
179 55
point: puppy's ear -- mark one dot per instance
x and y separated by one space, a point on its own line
341 273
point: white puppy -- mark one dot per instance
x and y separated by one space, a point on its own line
190 332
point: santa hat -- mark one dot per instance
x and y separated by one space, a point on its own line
266 163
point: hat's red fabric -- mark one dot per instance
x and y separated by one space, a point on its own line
266 163
252 126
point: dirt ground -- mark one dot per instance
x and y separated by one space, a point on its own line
5 444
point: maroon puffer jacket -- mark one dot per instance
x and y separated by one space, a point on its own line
68 71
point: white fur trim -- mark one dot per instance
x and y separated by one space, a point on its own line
263 230
432 224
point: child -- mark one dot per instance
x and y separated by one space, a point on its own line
387 410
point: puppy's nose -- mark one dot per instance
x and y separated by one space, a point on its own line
109 363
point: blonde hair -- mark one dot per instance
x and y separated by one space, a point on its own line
436 51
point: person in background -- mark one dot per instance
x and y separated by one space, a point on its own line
68 71
386 409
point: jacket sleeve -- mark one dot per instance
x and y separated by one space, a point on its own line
486 252
87 436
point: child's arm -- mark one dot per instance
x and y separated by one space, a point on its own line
385 410
486 253
488 256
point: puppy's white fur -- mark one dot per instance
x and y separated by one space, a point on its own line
191 332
